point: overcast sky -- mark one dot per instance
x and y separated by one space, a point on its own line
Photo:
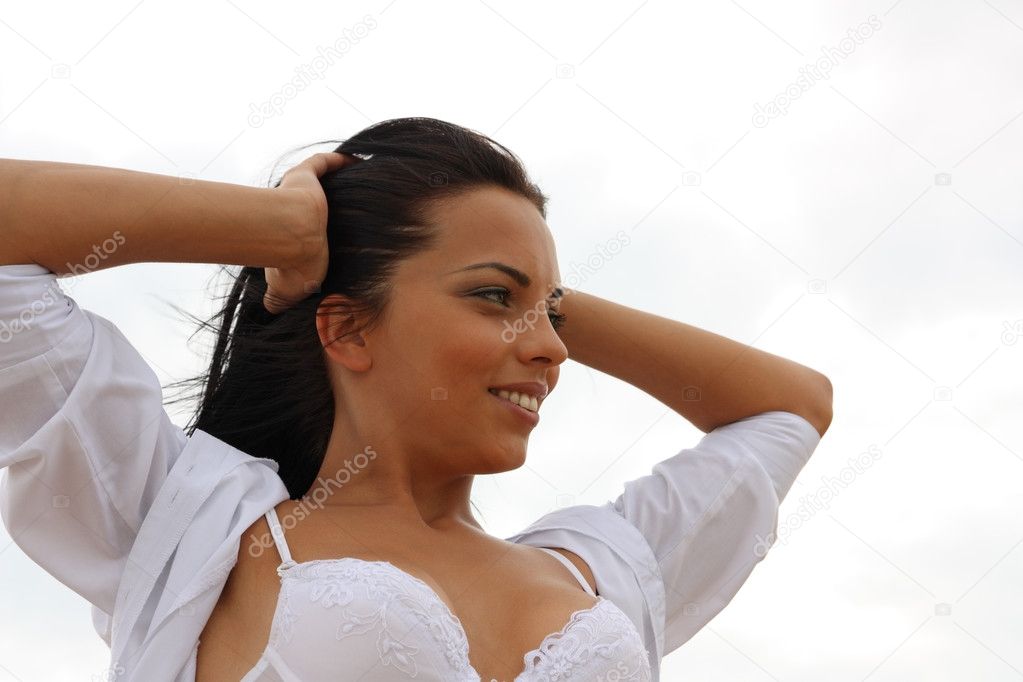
837 183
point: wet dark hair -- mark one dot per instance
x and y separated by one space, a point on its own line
267 391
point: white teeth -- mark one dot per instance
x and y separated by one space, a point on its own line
521 399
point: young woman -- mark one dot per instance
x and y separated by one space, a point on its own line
394 330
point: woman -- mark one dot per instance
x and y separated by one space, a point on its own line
313 521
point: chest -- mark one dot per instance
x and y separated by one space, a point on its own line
507 599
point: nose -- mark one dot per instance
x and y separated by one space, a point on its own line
540 341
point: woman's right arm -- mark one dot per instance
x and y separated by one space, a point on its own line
85 443
59 215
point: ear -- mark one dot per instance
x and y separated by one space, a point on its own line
334 324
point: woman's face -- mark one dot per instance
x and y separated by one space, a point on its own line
453 331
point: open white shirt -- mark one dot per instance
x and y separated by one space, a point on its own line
115 501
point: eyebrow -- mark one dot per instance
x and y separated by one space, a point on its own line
520 277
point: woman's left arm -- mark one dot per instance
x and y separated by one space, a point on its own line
709 379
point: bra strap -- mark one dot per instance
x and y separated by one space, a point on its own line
568 564
282 545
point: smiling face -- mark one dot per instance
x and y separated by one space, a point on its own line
452 330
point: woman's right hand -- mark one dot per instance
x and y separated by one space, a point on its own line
286 286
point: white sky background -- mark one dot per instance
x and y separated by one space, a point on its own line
873 232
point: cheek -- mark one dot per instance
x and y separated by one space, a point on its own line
474 362
459 349
474 350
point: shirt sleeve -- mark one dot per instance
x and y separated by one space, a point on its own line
85 442
710 512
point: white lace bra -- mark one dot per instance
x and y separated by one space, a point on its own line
353 619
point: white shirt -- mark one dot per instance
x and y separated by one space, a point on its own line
114 500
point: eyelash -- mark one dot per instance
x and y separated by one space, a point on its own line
557 319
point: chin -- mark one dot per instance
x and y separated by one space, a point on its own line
504 462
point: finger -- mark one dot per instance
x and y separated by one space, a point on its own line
276 304
318 165
337 160
324 162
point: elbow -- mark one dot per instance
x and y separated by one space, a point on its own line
821 412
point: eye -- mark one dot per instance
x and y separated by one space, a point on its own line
557 319
503 293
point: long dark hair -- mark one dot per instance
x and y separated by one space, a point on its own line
267 390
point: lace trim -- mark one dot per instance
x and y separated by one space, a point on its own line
334 583
601 630
596 631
